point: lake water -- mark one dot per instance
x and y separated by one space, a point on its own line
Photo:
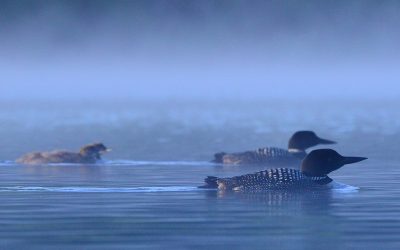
144 195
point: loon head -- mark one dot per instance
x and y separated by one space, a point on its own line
301 140
321 162
94 150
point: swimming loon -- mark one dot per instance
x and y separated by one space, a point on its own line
313 174
298 143
88 154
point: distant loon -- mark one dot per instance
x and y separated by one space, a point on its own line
88 154
312 175
298 143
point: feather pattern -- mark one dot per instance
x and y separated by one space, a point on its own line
262 155
272 179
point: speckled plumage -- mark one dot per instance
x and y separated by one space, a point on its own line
298 143
263 155
271 179
313 174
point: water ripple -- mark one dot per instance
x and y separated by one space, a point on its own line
339 189
125 163
101 189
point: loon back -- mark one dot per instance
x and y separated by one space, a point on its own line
271 179
54 157
260 156
88 154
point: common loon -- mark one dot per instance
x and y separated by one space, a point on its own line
313 174
88 154
298 143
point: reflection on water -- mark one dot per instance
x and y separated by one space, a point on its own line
150 199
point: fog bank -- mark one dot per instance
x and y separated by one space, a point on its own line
199 49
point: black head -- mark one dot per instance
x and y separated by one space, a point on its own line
321 162
302 140
94 150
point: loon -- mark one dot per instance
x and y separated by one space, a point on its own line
88 154
298 143
313 174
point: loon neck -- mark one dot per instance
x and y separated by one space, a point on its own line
296 150
322 180
298 153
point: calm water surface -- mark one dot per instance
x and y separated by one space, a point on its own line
144 196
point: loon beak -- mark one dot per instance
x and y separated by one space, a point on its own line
324 141
350 160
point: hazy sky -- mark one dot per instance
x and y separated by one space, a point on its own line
199 49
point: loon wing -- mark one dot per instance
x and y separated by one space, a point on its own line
271 179
261 155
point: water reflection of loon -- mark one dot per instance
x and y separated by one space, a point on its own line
298 143
313 174
279 202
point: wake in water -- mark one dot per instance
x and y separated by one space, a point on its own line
7 163
343 188
100 189
339 187
126 163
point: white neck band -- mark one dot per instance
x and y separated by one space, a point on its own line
295 150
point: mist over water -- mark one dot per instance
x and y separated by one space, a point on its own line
199 49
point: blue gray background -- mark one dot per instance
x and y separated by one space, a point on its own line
221 49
